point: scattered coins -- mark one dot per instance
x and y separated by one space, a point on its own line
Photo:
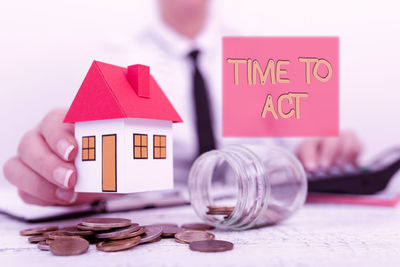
117 234
69 245
211 246
189 236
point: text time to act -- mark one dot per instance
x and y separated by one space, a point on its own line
275 71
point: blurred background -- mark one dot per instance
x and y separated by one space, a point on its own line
47 46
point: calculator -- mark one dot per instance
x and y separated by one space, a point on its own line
351 179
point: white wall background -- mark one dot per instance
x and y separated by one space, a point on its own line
46 47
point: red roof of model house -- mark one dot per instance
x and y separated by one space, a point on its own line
111 92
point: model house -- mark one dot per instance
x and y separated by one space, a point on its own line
123 126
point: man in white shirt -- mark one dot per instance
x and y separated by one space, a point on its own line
43 170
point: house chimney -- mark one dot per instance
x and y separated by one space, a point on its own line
139 78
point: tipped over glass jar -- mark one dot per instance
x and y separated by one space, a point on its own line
246 186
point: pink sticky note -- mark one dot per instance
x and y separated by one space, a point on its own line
280 86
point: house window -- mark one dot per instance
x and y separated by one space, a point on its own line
88 148
160 146
140 146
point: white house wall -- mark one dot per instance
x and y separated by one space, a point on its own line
89 175
148 174
133 175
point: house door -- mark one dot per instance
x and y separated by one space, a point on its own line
109 163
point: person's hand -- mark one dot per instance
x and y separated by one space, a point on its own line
322 153
43 171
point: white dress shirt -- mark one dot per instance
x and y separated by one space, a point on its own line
165 51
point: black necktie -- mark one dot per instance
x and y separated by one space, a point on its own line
202 105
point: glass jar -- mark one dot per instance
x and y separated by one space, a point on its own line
245 186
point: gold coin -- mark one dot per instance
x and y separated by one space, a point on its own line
217 210
57 234
38 230
133 234
46 234
106 222
226 213
171 230
211 246
189 236
118 245
151 233
166 224
119 232
36 238
221 208
197 226
69 245
94 229
78 233
155 240
43 245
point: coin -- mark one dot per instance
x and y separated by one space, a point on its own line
77 232
94 229
46 234
119 232
151 233
118 245
166 224
155 240
226 213
170 230
106 222
42 245
197 226
57 234
36 238
211 246
220 210
38 230
69 228
188 236
133 234
69 245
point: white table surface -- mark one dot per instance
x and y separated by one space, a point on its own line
319 235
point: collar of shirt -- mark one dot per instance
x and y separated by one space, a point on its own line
178 45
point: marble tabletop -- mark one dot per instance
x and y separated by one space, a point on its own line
318 235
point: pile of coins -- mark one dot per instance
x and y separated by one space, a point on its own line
117 234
